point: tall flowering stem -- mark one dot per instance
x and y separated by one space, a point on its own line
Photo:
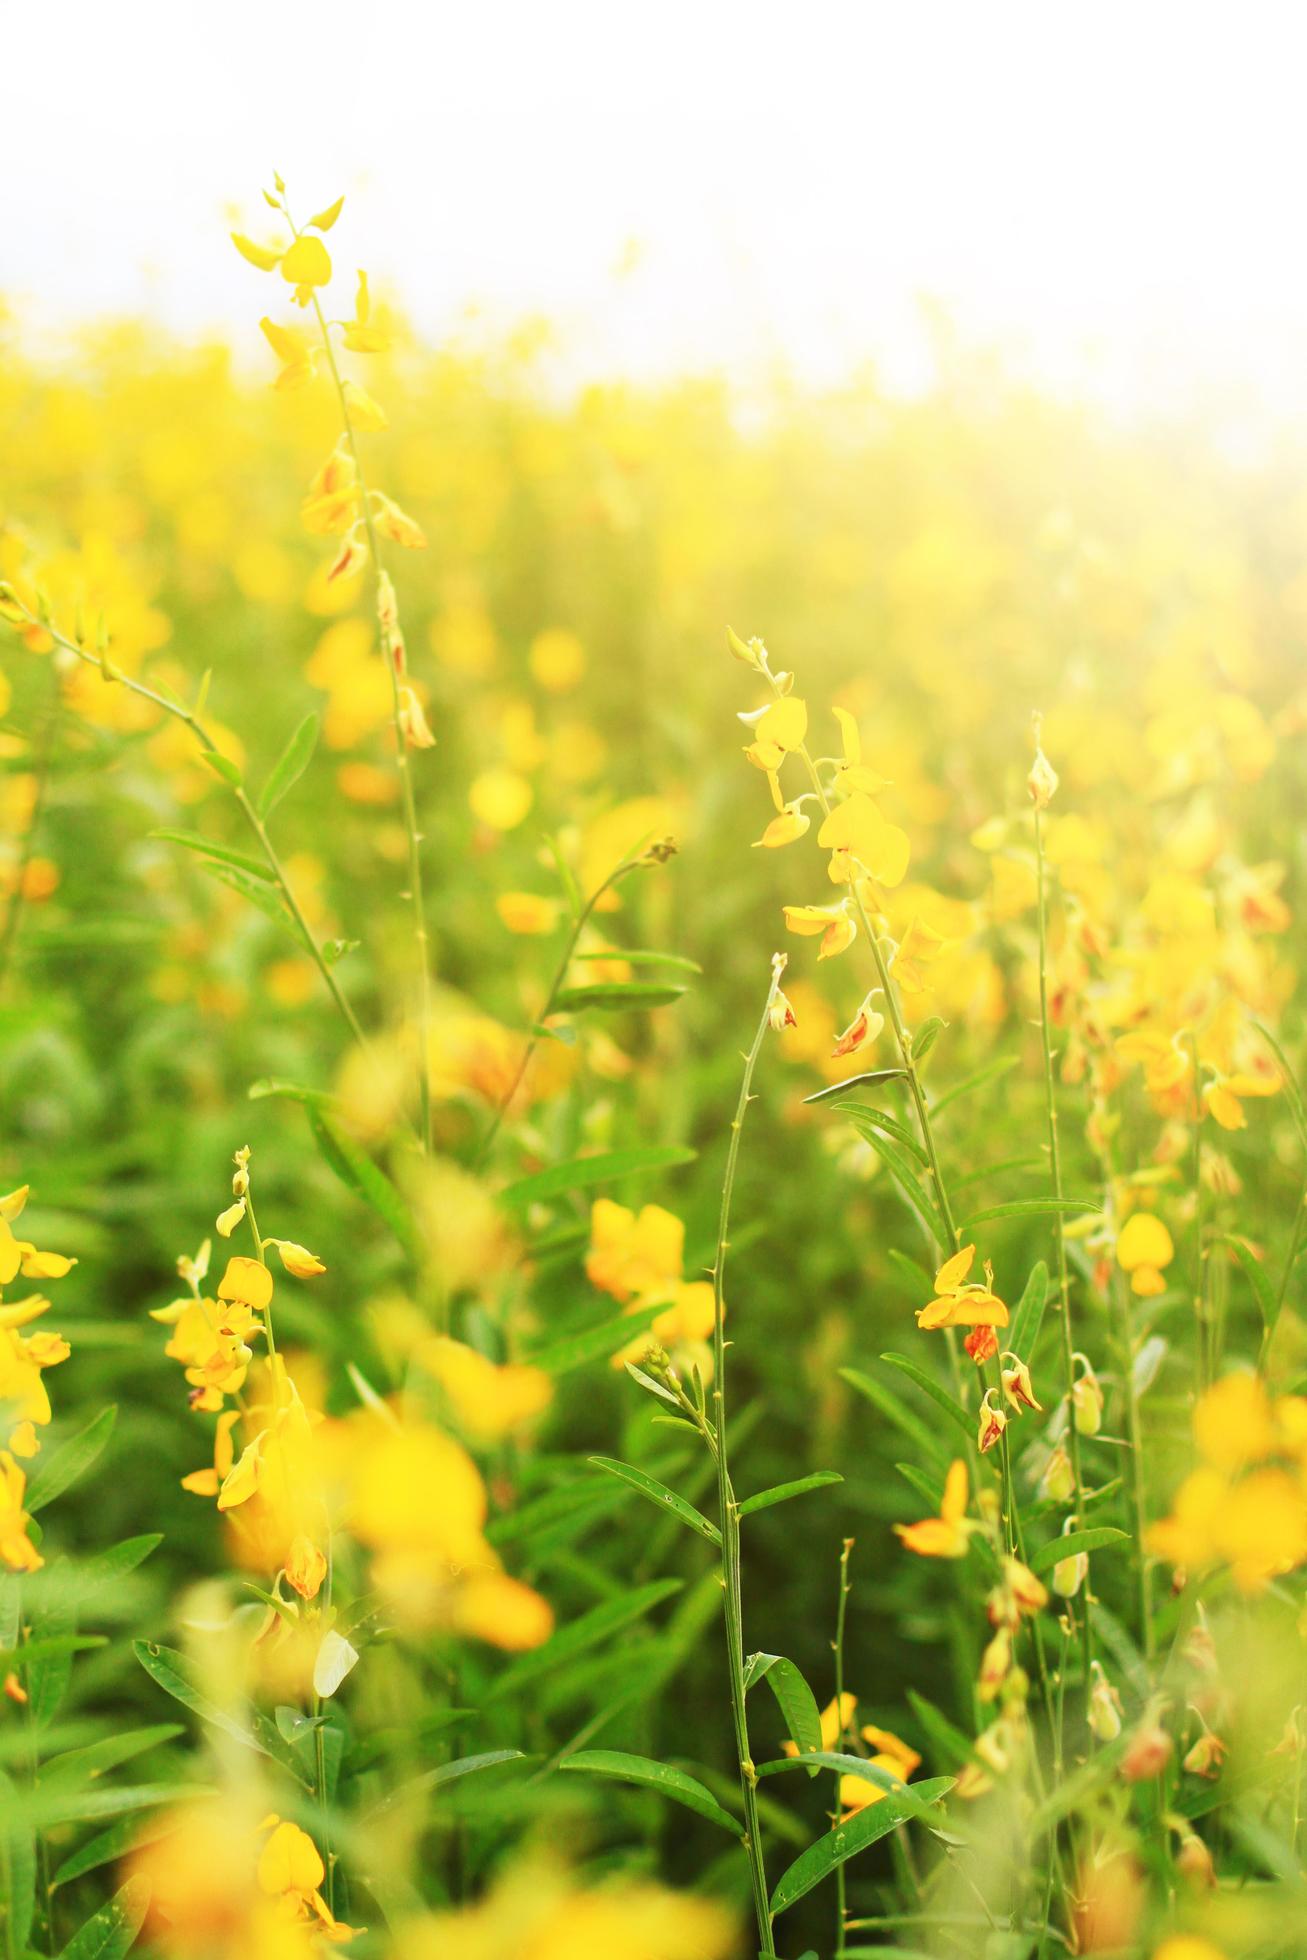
837 1647
1043 783
727 1508
190 720
384 603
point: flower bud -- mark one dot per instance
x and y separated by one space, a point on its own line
1194 1861
1057 1480
994 1664
1017 1385
1206 1755
1104 1705
1148 1752
992 1423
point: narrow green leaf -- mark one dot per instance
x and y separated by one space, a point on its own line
779 1493
871 1080
367 1180
167 1668
276 1085
794 1698
850 1836
580 1173
969 1083
669 1782
17 1866
860 1766
880 1119
1029 1208
109 1568
290 765
264 898
910 1187
926 1036
926 1439
643 956
191 840
62 1468
617 996
110 1751
111 1932
1029 1314
223 766
1258 1278
659 1494
595 1343
432 1779
578 1636
1096 1538
939 1396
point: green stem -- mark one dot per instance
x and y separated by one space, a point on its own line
1055 1173
416 893
728 1509
17 898
555 988
841 1902
1300 1221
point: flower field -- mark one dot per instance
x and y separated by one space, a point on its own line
652 1062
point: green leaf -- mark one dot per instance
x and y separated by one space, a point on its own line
1096 1538
291 764
642 956
111 1932
850 1836
277 1085
1292 1090
926 1036
864 1113
1029 1208
1029 1314
107 1846
167 1668
578 1636
617 996
910 1187
110 1751
871 1080
990 1073
223 766
659 1494
1258 1278
779 1493
603 1168
669 1782
849 1765
17 1866
92 1575
947 1740
190 840
431 1779
924 1438
939 1396
794 1698
595 1343
264 898
367 1180
62 1468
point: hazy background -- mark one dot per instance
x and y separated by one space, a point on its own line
1111 193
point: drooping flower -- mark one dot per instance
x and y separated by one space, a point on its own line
947 1535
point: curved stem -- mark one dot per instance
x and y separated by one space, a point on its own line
727 1508
207 743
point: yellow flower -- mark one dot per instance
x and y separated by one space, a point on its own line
296 355
958 1303
945 1536
889 1753
306 264
247 1283
837 929
634 1256
777 730
291 1871
857 829
1223 1098
16 1548
1143 1249
527 912
489 1400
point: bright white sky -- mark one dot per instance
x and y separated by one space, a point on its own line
1115 192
